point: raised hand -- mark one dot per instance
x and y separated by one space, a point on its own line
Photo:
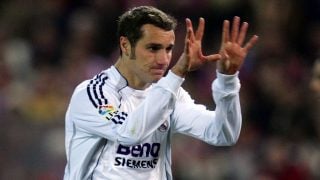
192 57
232 50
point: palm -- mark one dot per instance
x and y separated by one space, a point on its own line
192 57
232 52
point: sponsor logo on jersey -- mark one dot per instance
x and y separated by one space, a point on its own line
142 156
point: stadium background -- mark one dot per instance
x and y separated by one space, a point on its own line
48 47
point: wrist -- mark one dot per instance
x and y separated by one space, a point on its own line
179 71
225 67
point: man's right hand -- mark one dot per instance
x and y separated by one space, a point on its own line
192 57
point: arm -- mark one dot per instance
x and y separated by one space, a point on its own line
220 127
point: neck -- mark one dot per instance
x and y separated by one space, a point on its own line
133 80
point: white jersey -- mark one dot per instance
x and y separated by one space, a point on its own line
116 132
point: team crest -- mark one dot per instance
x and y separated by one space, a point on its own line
163 127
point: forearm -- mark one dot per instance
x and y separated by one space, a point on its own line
228 111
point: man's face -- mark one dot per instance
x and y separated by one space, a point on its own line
315 81
153 54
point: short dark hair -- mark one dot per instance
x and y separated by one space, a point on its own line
130 23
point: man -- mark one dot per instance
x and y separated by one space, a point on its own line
119 124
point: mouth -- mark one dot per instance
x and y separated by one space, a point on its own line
158 71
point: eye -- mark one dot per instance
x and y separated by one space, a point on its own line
169 49
154 48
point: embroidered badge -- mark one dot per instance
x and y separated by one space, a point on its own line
163 127
107 111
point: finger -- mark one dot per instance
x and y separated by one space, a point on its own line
251 43
212 58
224 55
188 23
243 33
187 42
190 27
200 29
235 29
225 31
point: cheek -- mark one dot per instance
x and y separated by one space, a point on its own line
170 57
145 58
143 62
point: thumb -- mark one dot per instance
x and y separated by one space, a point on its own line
224 55
213 57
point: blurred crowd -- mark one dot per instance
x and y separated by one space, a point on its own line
48 47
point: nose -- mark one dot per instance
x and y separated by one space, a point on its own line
163 58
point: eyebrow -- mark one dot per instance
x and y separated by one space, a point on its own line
158 45
154 45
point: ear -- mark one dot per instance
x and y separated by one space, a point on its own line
125 45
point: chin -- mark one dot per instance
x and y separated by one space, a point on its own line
157 78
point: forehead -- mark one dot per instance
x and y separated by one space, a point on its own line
153 34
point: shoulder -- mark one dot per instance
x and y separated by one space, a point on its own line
95 92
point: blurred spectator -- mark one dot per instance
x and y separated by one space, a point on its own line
315 87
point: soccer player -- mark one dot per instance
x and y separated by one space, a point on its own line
120 123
